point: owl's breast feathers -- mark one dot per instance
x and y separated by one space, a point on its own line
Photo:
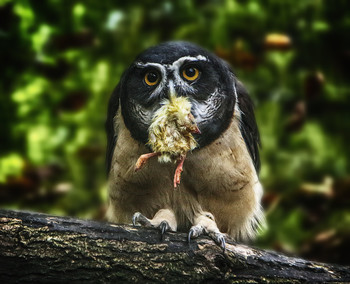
219 178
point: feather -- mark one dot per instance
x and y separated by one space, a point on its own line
110 125
248 126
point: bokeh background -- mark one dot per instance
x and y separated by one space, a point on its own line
60 60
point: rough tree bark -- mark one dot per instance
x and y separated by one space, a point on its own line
36 248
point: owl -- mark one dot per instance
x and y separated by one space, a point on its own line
220 192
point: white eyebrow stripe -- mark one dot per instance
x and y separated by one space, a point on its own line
151 64
157 66
176 64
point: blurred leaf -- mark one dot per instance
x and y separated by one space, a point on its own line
10 165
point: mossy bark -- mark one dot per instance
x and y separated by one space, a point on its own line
37 248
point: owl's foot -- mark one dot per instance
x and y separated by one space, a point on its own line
164 220
143 159
178 171
205 224
216 236
138 218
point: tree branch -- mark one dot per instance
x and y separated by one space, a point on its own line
41 248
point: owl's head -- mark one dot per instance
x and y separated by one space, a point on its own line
184 70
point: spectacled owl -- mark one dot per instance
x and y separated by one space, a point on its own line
219 192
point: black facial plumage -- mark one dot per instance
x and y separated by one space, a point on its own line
215 96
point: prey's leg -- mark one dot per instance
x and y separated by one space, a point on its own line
178 171
164 220
205 224
143 159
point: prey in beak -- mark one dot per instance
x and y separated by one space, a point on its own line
170 134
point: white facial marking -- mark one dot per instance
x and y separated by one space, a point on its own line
238 112
171 87
162 69
175 68
206 109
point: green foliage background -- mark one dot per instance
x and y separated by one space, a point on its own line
60 60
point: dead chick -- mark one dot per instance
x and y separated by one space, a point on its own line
170 134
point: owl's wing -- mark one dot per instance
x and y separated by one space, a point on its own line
248 126
112 132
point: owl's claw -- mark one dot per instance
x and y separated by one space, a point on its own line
195 232
138 218
190 233
219 239
164 227
199 230
142 220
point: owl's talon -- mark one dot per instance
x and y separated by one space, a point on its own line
134 218
190 233
199 230
164 227
222 243
195 232
219 239
142 220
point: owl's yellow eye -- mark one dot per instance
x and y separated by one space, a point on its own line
190 73
152 78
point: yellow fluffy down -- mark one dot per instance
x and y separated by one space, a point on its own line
170 130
